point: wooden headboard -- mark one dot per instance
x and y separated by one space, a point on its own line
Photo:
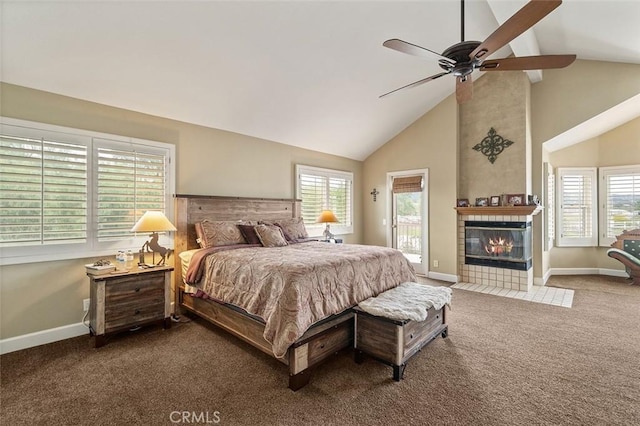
190 209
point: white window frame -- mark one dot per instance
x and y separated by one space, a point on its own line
561 239
605 173
18 254
316 230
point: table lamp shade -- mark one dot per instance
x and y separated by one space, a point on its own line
153 221
327 216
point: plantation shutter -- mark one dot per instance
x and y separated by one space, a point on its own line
621 203
129 183
551 195
325 189
407 184
340 199
313 192
577 206
43 191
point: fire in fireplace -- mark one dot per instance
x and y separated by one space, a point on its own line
498 244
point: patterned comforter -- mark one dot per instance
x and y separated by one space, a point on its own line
295 286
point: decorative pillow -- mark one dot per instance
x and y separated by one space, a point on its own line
293 229
218 233
270 235
249 233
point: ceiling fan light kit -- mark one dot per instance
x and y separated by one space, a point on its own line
463 58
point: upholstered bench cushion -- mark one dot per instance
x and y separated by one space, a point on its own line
408 301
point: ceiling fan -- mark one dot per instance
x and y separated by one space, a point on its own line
463 58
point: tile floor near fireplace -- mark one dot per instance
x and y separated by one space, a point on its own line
538 294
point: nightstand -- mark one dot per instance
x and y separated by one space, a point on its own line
122 301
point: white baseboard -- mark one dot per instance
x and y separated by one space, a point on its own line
443 277
588 271
542 281
38 338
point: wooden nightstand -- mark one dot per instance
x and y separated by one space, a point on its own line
123 300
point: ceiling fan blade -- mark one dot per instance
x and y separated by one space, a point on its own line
464 89
417 83
414 49
528 63
521 21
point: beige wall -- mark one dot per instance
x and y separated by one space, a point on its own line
41 296
618 147
429 143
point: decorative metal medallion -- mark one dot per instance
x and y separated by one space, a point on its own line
492 145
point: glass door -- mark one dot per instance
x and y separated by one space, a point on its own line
407 225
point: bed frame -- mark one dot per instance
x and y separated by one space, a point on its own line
319 342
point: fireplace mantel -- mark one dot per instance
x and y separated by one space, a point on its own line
501 210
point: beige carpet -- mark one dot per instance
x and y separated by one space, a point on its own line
505 362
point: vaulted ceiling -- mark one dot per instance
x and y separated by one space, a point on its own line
303 73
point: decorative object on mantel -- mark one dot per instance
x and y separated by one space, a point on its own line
492 145
515 200
463 202
494 201
482 202
375 194
533 200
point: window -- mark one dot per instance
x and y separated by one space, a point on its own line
551 205
67 193
321 189
619 201
577 214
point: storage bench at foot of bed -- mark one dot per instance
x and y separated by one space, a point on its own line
393 342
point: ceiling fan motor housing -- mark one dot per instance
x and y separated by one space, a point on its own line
461 64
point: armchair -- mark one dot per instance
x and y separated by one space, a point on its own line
626 249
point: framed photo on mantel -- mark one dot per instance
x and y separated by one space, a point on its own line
515 199
462 202
494 201
482 202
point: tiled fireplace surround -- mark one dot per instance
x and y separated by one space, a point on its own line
486 275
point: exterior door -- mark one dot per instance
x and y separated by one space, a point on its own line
408 213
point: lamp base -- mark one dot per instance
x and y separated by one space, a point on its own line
153 247
327 233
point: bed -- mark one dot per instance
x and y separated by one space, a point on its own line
316 284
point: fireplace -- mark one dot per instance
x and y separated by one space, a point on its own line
498 244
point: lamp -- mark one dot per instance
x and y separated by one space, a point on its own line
327 217
154 222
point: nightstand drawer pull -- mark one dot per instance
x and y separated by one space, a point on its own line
137 312
137 289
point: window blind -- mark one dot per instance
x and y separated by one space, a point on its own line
43 191
321 189
621 201
129 183
551 202
577 208
407 184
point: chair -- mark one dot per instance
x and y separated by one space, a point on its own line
626 249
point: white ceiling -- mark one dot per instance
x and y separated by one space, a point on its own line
303 73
